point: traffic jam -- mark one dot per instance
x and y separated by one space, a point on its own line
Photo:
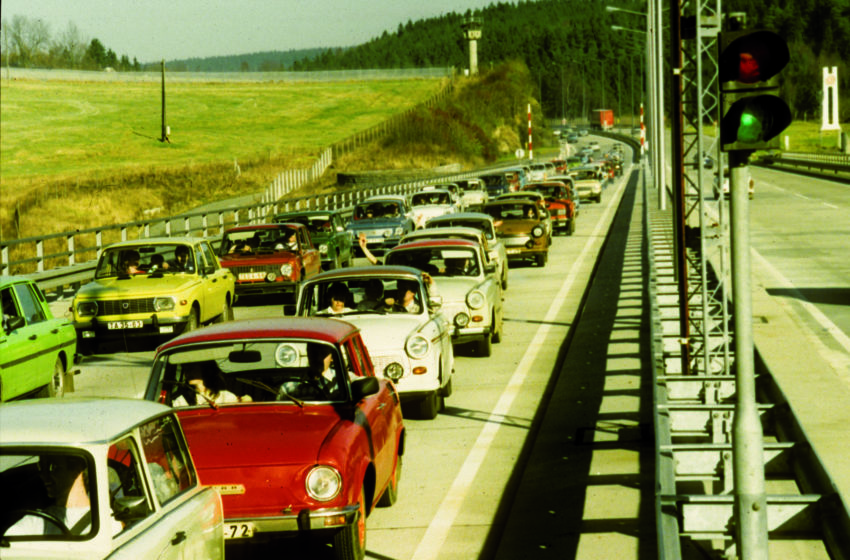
254 430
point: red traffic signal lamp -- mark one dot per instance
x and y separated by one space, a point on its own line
752 115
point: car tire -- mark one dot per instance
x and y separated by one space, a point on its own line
350 542
540 259
505 278
429 406
390 495
192 324
497 331
485 345
572 229
226 313
55 388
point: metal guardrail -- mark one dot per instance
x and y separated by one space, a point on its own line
823 163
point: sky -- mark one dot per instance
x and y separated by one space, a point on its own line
151 30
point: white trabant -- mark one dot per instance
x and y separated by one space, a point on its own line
471 294
406 333
431 202
484 223
102 478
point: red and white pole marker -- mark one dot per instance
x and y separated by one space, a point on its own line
642 132
530 149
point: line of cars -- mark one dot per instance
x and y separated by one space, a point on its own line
295 422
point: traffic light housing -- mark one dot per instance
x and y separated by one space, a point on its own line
752 115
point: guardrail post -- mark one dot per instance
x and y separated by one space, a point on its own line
39 253
98 241
221 223
168 228
72 260
123 233
147 230
204 224
187 228
4 257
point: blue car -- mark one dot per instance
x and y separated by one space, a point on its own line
495 184
383 219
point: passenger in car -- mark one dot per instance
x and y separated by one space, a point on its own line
206 380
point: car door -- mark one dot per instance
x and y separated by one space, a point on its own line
215 283
310 258
29 352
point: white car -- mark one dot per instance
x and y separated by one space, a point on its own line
102 478
474 193
411 345
484 222
429 203
538 172
471 294
587 182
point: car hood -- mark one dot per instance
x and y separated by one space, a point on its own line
518 227
385 332
375 223
257 435
455 288
139 285
262 258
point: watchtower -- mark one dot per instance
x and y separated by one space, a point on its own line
472 31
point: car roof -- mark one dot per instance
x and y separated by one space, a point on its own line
384 198
72 420
276 225
317 328
156 241
367 271
435 243
305 213
461 216
425 232
432 191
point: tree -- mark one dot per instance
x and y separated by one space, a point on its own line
95 55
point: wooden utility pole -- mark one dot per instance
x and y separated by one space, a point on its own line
164 137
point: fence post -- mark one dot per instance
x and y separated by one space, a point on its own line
39 253
72 257
123 233
187 228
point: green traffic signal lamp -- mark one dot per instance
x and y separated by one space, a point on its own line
753 115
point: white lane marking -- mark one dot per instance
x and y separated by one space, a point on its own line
831 328
442 521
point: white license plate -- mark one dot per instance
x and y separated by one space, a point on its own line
114 325
238 530
514 251
252 275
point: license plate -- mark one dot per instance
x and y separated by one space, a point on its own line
514 251
113 325
252 275
238 530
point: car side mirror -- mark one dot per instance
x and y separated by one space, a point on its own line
363 387
14 323
435 302
209 270
289 309
490 268
130 508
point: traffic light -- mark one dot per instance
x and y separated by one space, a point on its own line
752 115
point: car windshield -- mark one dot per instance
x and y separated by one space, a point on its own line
550 191
251 371
513 211
353 296
585 175
378 209
34 480
151 260
316 224
482 225
426 198
260 240
442 261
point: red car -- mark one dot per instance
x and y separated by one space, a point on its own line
269 257
559 202
286 418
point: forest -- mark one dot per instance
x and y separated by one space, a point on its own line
575 57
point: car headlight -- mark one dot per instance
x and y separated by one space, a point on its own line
475 299
537 231
164 304
285 355
87 308
461 320
323 483
417 346
394 371
323 249
286 269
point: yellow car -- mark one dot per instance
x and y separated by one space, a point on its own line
157 287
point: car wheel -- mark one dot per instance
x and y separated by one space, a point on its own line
55 388
485 345
540 259
350 542
429 406
497 331
192 323
505 278
226 313
391 493
572 229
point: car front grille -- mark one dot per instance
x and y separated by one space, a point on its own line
237 270
125 306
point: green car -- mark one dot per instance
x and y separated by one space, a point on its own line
327 230
36 349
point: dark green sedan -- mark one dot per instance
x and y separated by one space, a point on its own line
327 230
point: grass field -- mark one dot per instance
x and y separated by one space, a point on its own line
65 129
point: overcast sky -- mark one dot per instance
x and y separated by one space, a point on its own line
150 30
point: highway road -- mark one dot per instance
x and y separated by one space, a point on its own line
457 467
